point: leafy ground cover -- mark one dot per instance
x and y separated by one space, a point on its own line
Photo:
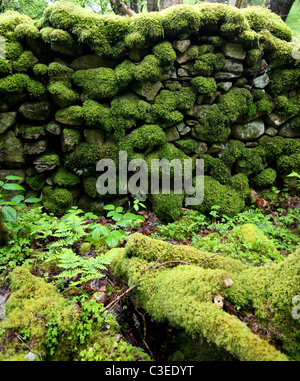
67 259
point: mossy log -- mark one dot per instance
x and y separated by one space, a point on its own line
190 296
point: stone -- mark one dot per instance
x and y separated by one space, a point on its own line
193 111
233 66
7 119
13 172
94 136
31 132
54 128
180 127
46 162
222 75
264 139
271 131
224 86
183 72
262 81
35 110
211 99
181 45
199 99
136 55
216 148
192 122
248 131
290 129
185 131
11 151
147 89
235 51
188 146
251 144
91 61
70 138
89 204
35 148
172 134
275 120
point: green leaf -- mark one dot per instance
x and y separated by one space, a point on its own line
13 187
109 207
17 199
111 241
1 183
9 214
14 178
32 200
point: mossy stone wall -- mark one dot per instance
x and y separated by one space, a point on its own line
206 81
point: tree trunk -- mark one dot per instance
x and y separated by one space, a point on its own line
134 5
163 4
280 7
152 5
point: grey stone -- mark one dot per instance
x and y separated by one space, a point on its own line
215 148
181 45
261 81
222 75
7 119
251 144
248 131
136 55
172 134
46 162
11 151
185 131
31 132
70 138
94 136
91 61
271 131
290 129
13 172
224 86
233 66
182 72
211 99
147 89
35 148
54 128
235 51
35 110
180 127
275 120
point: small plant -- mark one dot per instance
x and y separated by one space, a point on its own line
123 220
8 210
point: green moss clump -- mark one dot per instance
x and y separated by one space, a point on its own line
89 186
97 83
164 52
26 30
220 172
168 104
204 85
57 201
36 182
229 200
265 105
283 80
253 56
182 19
19 83
13 50
9 21
287 106
288 163
63 95
86 156
148 69
25 62
64 178
124 74
206 63
240 183
40 70
265 179
72 116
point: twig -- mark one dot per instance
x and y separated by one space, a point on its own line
209 258
110 305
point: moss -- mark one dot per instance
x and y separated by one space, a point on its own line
260 18
40 70
253 56
18 83
265 179
36 182
287 107
64 178
168 104
228 199
86 156
30 307
97 83
57 201
62 95
9 21
240 183
206 63
13 50
59 73
124 73
89 186
204 85
25 62
164 52
220 172
265 105
288 163
148 69
182 19
72 116
283 80
167 207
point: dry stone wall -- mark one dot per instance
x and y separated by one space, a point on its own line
206 81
